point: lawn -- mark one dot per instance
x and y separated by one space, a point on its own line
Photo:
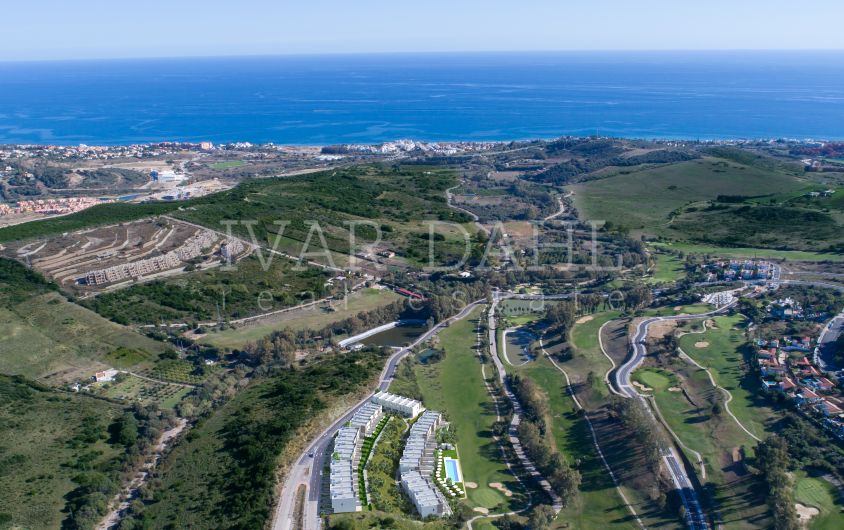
227 164
725 357
456 387
656 380
667 268
747 252
588 355
384 494
666 188
817 492
720 442
691 309
308 318
48 440
598 505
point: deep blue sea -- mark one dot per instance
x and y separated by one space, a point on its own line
373 98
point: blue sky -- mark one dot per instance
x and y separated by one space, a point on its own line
62 29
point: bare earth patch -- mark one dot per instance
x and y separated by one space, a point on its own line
583 320
500 487
470 485
805 513
701 344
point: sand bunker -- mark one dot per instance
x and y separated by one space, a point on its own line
678 307
675 389
479 509
805 513
642 387
701 344
470 485
500 487
583 320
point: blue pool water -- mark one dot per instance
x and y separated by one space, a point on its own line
373 98
452 471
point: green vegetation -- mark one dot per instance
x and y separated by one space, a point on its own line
765 226
456 386
222 475
104 214
725 355
665 189
384 493
210 294
748 252
51 444
398 199
63 455
654 379
817 492
227 164
367 520
732 202
176 371
667 268
598 504
588 357
308 318
46 336
132 389
366 451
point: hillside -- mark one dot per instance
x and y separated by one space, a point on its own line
47 337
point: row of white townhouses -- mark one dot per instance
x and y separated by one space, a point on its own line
345 495
417 465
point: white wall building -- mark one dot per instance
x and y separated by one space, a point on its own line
402 405
417 465
367 417
343 480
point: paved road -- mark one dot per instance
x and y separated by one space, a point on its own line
695 517
513 430
308 470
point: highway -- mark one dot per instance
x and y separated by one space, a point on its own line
307 470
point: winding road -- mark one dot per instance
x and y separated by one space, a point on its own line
307 470
695 517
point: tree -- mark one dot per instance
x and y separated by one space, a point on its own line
541 518
124 431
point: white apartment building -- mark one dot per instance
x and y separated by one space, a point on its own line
343 480
417 465
367 417
402 405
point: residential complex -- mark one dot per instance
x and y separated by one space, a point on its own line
417 466
344 486
785 368
192 248
405 406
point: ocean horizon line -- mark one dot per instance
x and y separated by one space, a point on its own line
431 53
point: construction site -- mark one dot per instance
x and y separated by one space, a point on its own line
106 258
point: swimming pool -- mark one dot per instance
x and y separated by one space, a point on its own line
452 470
